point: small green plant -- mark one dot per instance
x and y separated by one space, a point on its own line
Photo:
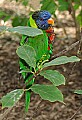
28 54
78 91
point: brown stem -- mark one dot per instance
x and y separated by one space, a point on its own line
34 76
75 113
77 26
65 50
62 26
5 113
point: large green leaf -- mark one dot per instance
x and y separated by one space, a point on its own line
78 91
27 53
29 31
2 28
48 92
11 98
61 60
54 76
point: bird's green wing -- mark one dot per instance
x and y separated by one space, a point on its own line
40 44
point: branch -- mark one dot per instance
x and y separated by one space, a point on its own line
62 26
65 50
5 113
77 26
75 113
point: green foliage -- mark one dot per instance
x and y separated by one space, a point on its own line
4 16
79 18
49 5
77 1
19 21
61 60
48 92
78 91
63 5
11 98
24 2
76 6
54 76
3 28
28 54
26 70
16 19
29 31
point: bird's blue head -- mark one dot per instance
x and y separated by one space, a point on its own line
42 19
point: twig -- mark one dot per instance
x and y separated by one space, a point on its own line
65 50
77 26
36 110
62 26
5 113
75 113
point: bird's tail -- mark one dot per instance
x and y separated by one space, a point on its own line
29 80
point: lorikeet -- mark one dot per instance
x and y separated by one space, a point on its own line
41 43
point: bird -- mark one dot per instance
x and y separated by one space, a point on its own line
42 44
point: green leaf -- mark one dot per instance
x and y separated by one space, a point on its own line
49 5
5 16
25 2
78 91
27 70
48 92
77 2
19 21
61 60
29 31
54 76
2 28
2 13
79 18
27 53
11 98
76 6
63 5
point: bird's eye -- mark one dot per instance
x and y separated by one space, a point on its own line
41 19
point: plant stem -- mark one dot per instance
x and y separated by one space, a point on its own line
77 26
5 113
65 50
75 113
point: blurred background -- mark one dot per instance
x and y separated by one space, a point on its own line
67 15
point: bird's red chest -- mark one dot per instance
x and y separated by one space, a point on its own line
51 34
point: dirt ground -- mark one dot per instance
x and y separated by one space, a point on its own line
10 78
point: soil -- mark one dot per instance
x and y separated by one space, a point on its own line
39 109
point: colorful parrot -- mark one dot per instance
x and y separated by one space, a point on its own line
41 43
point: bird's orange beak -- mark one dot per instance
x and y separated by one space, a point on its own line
50 21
